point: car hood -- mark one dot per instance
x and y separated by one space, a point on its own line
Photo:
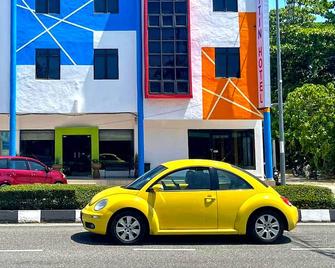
112 191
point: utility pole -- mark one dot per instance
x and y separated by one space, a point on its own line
280 102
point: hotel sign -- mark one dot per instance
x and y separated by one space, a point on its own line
263 54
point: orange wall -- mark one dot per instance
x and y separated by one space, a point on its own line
247 83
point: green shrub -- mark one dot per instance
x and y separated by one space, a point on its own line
308 197
77 196
47 196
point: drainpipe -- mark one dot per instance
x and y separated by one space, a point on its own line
140 109
12 112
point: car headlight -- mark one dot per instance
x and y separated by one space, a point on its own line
100 205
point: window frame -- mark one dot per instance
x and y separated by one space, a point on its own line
48 7
114 51
107 6
211 177
226 52
48 56
225 8
217 183
176 94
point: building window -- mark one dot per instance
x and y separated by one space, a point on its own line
116 150
48 64
106 6
225 5
236 147
38 144
227 62
106 64
4 143
167 43
47 6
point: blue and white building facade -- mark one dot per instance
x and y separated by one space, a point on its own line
57 83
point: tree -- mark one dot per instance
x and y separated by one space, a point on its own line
310 123
308 47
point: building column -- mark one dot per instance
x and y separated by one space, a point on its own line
140 95
268 144
12 98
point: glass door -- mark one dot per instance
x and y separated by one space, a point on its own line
77 155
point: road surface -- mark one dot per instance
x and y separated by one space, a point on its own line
310 245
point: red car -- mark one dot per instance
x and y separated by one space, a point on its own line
24 170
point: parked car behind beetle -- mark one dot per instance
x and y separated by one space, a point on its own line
24 170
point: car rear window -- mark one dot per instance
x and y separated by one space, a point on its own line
251 175
3 164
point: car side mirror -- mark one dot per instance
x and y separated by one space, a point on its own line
157 188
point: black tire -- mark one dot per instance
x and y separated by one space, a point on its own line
4 185
139 229
58 182
295 173
269 228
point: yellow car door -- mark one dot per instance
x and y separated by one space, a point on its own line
232 192
186 201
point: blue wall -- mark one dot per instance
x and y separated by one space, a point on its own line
77 42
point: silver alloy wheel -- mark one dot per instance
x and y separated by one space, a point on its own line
267 227
128 228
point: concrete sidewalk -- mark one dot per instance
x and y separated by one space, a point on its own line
303 181
104 181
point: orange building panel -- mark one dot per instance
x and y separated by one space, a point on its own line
233 98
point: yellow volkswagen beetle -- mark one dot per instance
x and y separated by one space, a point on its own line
191 197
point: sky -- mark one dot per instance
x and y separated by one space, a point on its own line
273 3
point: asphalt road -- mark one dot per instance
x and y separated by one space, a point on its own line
70 246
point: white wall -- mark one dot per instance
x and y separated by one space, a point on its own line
167 140
77 91
4 55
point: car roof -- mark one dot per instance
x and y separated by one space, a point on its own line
18 157
196 162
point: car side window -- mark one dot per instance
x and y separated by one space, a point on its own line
3 164
36 166
230 181
187 180
18 164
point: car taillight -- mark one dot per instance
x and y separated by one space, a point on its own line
286 201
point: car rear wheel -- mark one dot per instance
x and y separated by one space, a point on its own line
4 185
266 227
128 228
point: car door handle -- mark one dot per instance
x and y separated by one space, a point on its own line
210 199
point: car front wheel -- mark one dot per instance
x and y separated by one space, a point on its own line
128 228
266 227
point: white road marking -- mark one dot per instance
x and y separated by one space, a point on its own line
316 224
21 250
313 249
164 249
42 225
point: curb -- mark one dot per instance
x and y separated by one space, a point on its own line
73 216
39 216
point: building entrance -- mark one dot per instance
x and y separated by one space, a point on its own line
77 155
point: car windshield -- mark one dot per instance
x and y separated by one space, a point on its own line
141 181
